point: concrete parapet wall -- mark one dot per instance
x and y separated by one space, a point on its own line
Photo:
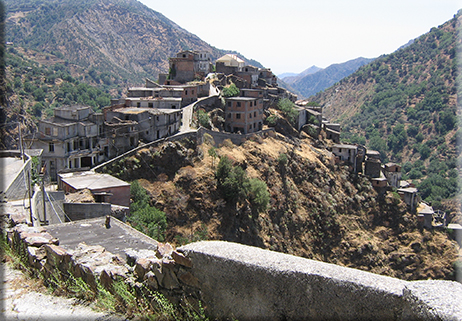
18 188
82 211
249 283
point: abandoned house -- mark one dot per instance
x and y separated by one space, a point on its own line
243 114
392 172
187 66
150 123
104 187
154 95
346 153
229 64
409 196
72 138
373 165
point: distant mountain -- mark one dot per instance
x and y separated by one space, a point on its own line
118 40
315 82
405 106
287 74
291 78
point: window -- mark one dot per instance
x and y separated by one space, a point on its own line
229 104
254 114
250 115
229 115
55 131
238 116
238 104
51 147
150 105
192 93
47 131
186 92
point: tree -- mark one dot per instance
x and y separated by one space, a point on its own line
213 153
230 91
288 109
143 217
203 118
257 194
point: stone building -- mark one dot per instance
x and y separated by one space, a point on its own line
189 65
104 187
392 172
149 123
72 138
243 114
229 64
153 95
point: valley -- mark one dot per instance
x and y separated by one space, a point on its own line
402 105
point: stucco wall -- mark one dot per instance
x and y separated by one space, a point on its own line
248 283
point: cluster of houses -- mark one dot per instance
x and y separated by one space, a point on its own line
367 162
76 138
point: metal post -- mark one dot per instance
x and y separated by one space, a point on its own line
44 204
20 143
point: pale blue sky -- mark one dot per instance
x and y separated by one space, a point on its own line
292 35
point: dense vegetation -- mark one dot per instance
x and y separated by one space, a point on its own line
143 217
37 88
235 186
406 109
121 40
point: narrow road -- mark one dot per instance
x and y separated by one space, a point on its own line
22 298
187 119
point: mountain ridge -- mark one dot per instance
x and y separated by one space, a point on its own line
404 106
124 38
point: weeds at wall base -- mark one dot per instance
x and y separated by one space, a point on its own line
122 298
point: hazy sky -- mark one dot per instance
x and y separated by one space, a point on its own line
292 35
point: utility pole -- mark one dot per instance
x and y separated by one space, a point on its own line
20 143
42 183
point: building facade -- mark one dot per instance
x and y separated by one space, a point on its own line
243 114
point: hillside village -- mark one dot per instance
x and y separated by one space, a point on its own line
76 139
64 176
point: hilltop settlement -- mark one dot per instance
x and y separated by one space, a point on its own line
228 98
62 176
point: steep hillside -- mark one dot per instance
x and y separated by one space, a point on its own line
116 40
310 83
316 210
35 87
404 105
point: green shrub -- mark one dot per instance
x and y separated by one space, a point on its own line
231 91
288 109
257 194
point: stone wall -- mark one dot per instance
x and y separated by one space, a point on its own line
248 283
160 269
241 282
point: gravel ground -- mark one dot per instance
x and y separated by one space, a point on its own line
25 299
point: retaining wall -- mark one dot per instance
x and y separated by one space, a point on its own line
249 283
